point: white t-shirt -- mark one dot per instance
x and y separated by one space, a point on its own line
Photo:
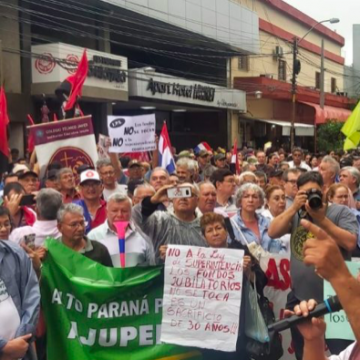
9 316
122 189
345 355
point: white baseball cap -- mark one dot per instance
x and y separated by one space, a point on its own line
89 175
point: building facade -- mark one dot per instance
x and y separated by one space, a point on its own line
269 118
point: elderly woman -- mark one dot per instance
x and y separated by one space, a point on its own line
249 227
275 205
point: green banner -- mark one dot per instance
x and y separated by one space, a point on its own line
95 312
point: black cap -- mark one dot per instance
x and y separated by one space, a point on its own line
84 167
52 174
133 184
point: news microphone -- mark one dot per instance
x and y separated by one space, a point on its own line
331 305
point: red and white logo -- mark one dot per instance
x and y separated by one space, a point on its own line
89 174
73 61
45 64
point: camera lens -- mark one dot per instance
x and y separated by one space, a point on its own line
315 201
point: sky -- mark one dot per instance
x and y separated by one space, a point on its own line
348 11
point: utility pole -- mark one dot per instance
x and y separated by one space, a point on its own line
295 72
322 76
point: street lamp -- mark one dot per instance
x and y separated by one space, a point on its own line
297 69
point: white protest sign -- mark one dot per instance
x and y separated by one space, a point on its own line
277 270
202 297
132 133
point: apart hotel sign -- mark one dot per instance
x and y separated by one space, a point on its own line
107 77
164 87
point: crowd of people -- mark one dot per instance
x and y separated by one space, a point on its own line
261 210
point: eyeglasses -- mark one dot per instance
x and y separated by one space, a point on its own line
76 225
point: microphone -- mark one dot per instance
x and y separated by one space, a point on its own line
331 305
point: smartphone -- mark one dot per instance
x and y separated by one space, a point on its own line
27 200
29 241
179 192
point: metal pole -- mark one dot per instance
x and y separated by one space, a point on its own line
1 65
293 93
322 77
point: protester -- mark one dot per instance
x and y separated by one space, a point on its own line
138 251
275 205
247 177
284 165
159 178
5 223
141 192
48 203
261 179
180 227
28 179
336 220
106 171
207 197
20 215
356 162
314 162
203 160
66 183
261 163
71 224
250 227
51 181
135 170
322 253
224 182
19 303
94 207
273 161
185 170
329 170
297 160
275 178
220 161
290 178
350 176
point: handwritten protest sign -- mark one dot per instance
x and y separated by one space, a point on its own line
132 133
337 324
202 297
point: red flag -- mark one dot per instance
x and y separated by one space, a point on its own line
4 121
77 81
31 140
234 158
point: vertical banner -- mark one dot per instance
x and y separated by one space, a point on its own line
96 312
202 297
70 142
277 270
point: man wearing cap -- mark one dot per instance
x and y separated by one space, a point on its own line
203 160
51 180
94 207
66 183
28 179
135 170
220 161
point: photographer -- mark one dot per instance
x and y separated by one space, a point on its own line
337 221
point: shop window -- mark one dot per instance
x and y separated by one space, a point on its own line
243 63
317 80
333 85
282 70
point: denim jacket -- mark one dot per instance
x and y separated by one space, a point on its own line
22 285
242 233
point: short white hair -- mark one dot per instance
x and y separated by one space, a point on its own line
334 164
143 186
246 187
119 197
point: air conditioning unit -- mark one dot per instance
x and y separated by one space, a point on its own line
278 52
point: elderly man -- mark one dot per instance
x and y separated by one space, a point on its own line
261 163
329 169
71 224
180 227
224 182
28 179
207 197
261 179
106 171
19 302
290 178
203 160
141 192
66 183
220 161
350 176
48 203
185 170
138 251
94 207
159 178
297 160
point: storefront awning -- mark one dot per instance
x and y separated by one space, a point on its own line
328 113
300 129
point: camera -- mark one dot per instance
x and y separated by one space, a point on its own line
314 198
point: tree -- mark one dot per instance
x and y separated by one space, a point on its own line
329 137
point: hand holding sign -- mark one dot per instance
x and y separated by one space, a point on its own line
323 253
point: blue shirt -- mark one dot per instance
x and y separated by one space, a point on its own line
22 285
246 236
